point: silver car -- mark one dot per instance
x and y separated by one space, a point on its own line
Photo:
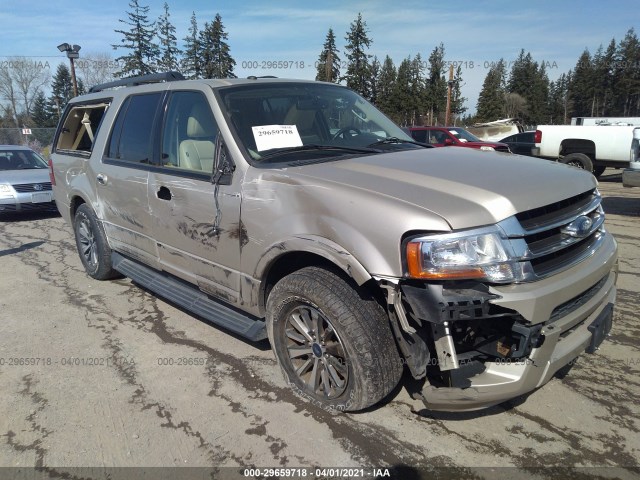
24 181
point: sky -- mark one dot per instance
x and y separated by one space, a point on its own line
475 34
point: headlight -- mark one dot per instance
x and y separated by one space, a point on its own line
477 254
487 148
6 190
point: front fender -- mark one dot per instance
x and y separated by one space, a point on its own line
318 245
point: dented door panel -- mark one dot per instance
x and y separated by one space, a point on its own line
188 244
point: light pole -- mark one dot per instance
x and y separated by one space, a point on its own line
73 52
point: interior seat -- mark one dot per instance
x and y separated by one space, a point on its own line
197 151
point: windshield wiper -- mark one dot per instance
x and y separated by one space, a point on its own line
395 140
287 150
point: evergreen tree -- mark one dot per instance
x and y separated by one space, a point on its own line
457 100
436 93
217 62
375 72
581 88
138 40
402 94
558 100
627 75
328 68
191 61
169 51
418 90
358 74
386 83
61 91
491 100
41 114
529 81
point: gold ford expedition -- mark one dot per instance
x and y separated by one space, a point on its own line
296 211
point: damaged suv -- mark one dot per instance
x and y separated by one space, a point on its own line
295 210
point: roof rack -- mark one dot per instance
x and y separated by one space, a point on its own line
140 80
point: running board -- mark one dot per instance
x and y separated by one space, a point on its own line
190 298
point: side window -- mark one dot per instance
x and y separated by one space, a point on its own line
439 137
189 133
133 129
80 127
419 135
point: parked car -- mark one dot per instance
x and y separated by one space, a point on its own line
453 136
521 143
297 211
24 181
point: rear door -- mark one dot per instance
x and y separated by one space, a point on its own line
123 175
198 231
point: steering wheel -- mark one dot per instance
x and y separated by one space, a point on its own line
342 131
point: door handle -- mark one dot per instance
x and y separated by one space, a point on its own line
164 193
101 178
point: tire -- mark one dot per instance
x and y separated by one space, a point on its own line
92 245
598 171
578 160
353 363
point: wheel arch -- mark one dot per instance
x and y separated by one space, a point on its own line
75 202
578 145
289 256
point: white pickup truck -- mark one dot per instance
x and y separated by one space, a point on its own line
592 148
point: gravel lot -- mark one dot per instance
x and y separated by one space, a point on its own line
104 374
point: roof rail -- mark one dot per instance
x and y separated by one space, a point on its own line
140 80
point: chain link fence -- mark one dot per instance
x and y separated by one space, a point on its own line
38 139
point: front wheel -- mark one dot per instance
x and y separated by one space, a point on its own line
332 340
92 244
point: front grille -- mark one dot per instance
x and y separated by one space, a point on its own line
557 236
32 187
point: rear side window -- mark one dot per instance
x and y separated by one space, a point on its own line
80 128
131 137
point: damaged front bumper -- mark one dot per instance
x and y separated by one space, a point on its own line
558 318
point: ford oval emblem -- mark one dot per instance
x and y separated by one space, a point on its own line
37 187
580 227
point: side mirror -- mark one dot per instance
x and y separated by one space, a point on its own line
448 142
223 166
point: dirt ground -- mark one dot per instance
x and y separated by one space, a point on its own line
105 374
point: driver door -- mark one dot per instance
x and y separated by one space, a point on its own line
197 229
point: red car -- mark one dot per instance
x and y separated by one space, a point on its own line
453 136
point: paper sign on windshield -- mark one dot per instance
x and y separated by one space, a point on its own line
276 136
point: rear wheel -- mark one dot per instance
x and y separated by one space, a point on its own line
578 160
332 340
92 244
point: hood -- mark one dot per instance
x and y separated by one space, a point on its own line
40 175
465 187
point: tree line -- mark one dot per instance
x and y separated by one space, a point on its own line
606 83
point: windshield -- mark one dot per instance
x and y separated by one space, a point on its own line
21 160
311 120
462 135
